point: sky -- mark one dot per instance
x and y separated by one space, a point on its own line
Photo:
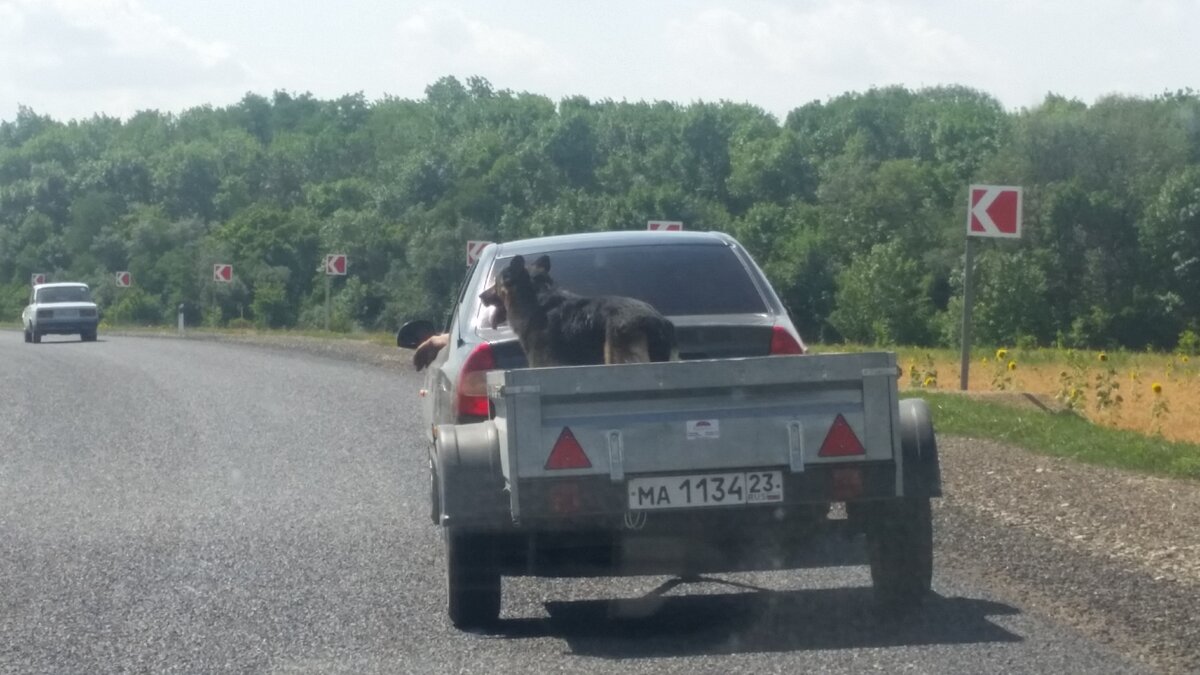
76 58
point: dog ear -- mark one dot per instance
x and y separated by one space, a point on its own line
516 263
542 264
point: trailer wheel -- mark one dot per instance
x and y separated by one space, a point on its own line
472 580
900 551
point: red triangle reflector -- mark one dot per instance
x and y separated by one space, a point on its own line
841 441
567 453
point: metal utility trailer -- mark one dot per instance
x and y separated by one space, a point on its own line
683 468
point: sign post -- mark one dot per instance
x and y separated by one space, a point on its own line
992 211
335 266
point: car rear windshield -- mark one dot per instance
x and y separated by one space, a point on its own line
63 294
680 280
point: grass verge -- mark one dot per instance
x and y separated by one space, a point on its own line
1063 434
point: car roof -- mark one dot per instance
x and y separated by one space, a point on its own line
61 284
566 242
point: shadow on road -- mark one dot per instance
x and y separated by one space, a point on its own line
766 621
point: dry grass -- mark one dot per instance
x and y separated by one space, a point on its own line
1041 372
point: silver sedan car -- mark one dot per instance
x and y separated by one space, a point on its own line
62 309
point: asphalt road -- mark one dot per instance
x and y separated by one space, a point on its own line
171 505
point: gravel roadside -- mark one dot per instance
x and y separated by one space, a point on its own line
1112 553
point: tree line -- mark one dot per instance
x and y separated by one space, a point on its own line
854 206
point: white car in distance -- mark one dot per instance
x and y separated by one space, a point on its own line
60 309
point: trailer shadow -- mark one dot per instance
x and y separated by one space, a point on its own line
758 621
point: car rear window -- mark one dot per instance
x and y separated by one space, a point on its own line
680 280
63 294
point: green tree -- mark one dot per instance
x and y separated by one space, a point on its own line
882 299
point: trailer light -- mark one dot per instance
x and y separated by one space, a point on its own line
565 498
846 483
841 441
567 453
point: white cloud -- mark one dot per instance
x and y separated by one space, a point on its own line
112 56
436 41
827 47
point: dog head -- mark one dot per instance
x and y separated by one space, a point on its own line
516 281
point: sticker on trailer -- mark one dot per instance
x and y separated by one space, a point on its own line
703 429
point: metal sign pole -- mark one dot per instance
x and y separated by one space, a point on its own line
327 283
968 300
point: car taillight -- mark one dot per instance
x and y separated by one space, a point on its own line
472 382
782 342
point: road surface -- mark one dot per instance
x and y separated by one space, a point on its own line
180 505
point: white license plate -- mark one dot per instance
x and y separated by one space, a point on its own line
708 489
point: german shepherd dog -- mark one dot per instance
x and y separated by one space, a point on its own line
559 328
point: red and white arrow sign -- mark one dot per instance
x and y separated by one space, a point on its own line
474 248
124 280
38 278
994 211
335 264
222 273
665 225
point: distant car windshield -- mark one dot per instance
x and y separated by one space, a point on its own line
63 294
678 280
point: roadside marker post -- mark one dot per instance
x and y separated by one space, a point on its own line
994 212
474 248
334 266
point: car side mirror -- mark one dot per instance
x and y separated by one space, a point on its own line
413 333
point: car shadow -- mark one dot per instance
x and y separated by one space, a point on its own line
762 621
47 341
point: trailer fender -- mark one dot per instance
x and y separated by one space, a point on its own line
921 466
467 469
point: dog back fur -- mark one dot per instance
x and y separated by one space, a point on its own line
557 327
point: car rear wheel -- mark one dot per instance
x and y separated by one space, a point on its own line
37 337
472 580
28 337
88 336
